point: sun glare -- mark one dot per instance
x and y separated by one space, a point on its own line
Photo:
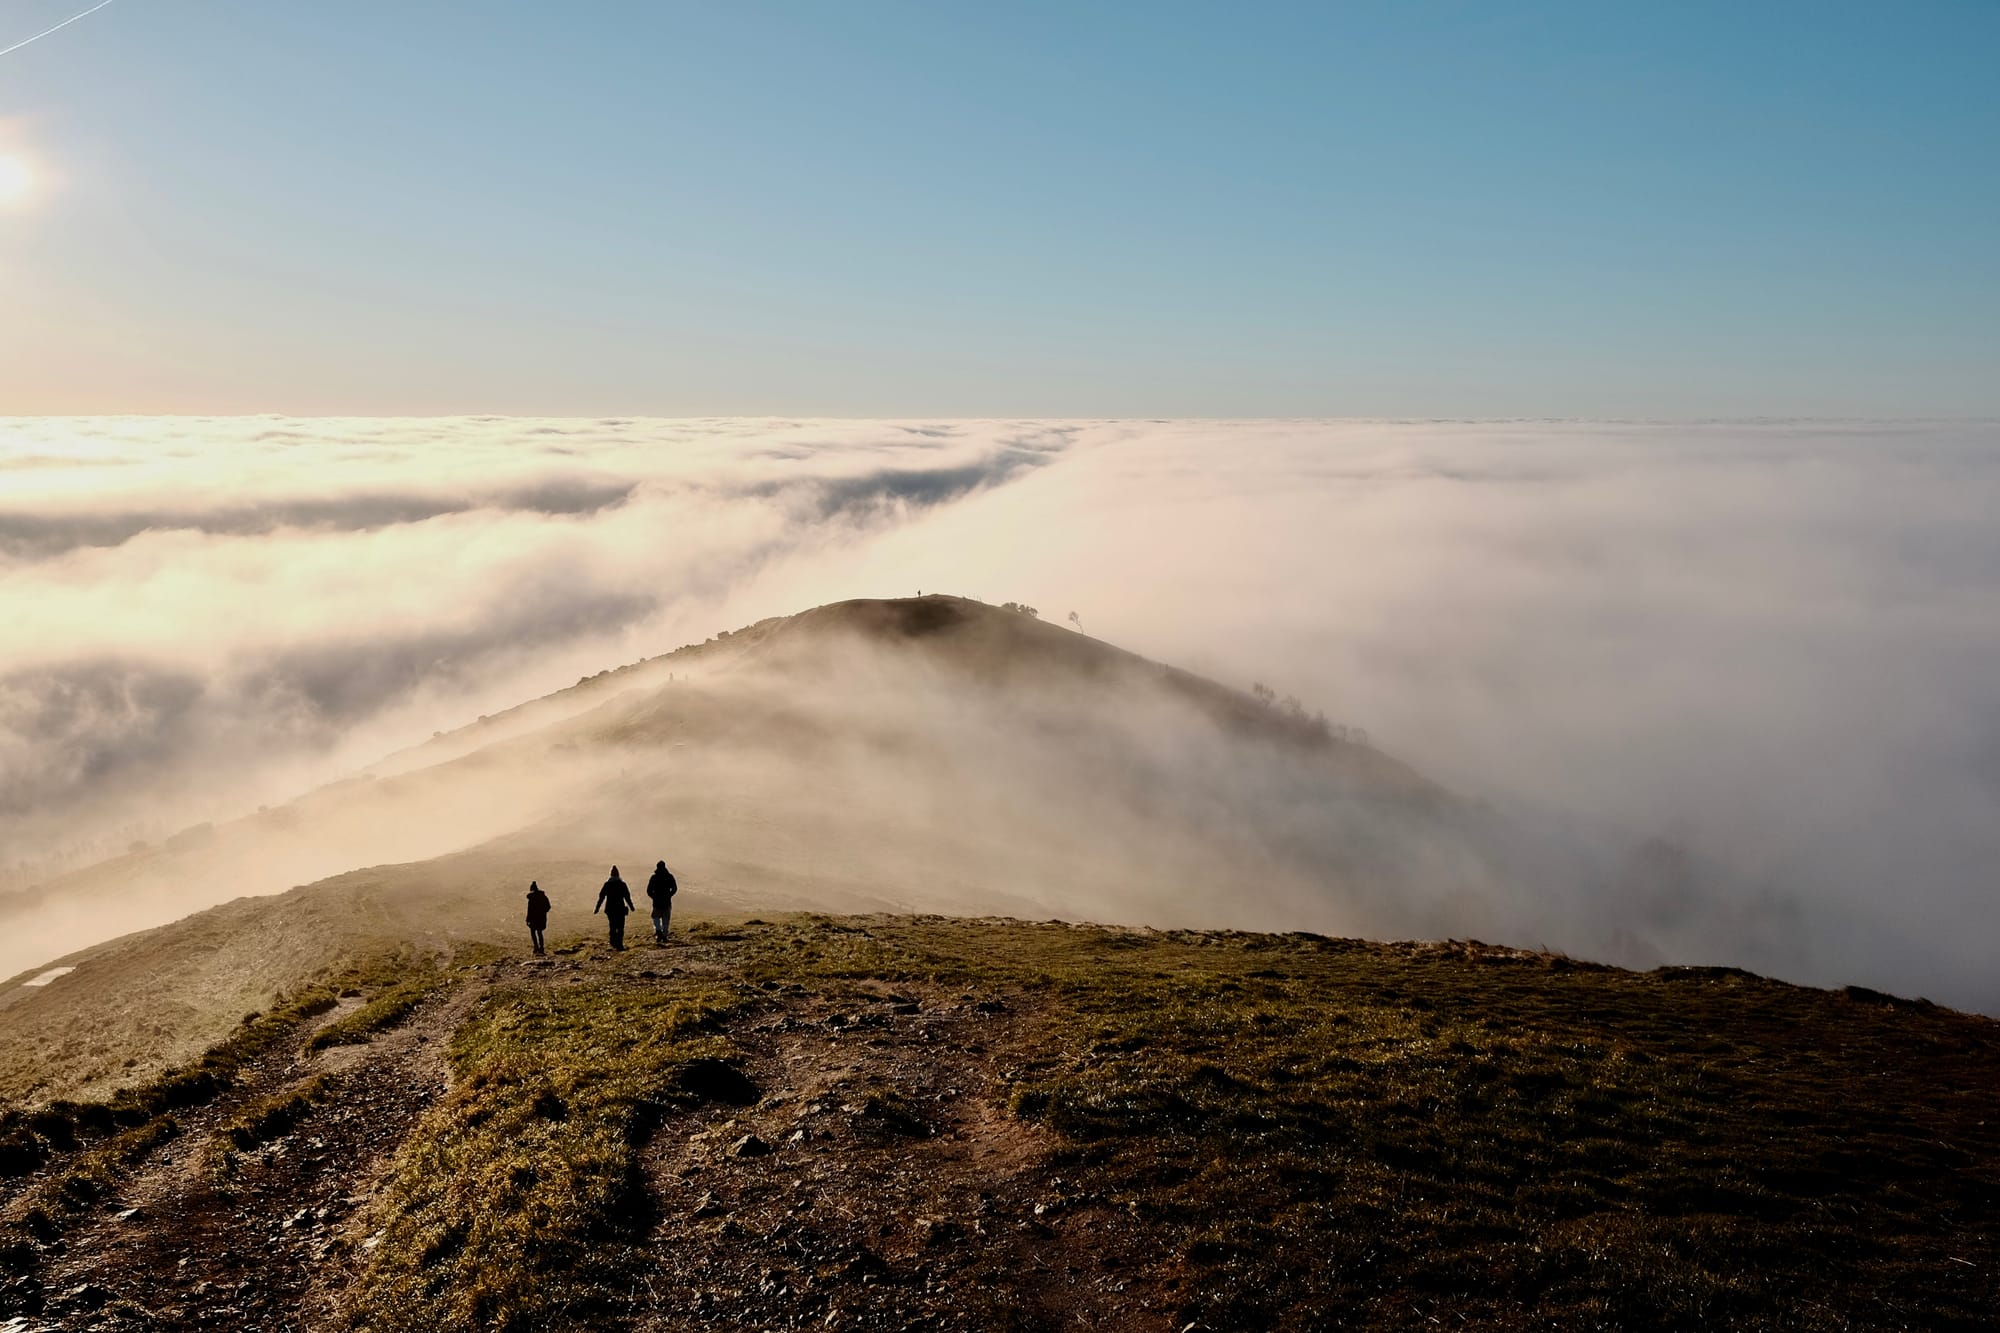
17 180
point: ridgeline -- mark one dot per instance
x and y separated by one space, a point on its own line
869 1085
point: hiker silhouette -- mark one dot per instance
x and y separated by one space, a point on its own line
538 913
615 901
661 889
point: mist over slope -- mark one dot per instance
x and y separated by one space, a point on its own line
930 754
1740 672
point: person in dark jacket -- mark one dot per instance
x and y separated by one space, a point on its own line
538 913
661 889
615 901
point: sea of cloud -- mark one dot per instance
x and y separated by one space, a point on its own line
1760 653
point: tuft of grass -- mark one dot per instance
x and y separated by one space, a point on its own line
45 1212
31 1139
516 1203
266 1120
390 1006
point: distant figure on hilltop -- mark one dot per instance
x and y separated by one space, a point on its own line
661 889
538 913
615 901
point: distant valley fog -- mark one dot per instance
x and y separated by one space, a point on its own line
1732 682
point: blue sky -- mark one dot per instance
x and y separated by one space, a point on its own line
871 208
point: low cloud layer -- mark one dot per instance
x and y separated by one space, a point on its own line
212 614
1752 661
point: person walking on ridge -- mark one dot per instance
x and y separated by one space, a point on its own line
615 901
661 889
538 914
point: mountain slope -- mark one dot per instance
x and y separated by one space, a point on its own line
929 754
357 1105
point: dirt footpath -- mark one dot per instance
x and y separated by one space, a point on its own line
188 1244
868 1176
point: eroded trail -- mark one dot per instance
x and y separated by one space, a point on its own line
205 1234
863 1171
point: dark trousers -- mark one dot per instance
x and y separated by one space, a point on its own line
662 916
616 920
535 933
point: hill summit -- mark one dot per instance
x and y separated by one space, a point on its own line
857 1089
926 754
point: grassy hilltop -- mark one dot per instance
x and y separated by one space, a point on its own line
973 1124
925 754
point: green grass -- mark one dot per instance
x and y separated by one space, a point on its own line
28 1140
516 1204
93 1145
1327 1133
83 1183
384 1010
1304 1133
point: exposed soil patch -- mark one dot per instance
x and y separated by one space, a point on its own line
880 1182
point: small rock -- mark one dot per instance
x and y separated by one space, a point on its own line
709 1206
749 1146
937 1231
88 1296
126 1215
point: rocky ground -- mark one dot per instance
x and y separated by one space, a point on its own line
864 1177
877 1184
915 1123
186 1243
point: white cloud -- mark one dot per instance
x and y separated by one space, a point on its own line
204 611
1770 643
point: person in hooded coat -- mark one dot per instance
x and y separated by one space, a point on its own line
661 889
538 913
615 901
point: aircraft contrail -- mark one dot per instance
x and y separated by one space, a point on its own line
7 50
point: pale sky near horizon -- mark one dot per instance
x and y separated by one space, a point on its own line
1034 209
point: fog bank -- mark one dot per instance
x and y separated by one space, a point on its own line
1757 655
